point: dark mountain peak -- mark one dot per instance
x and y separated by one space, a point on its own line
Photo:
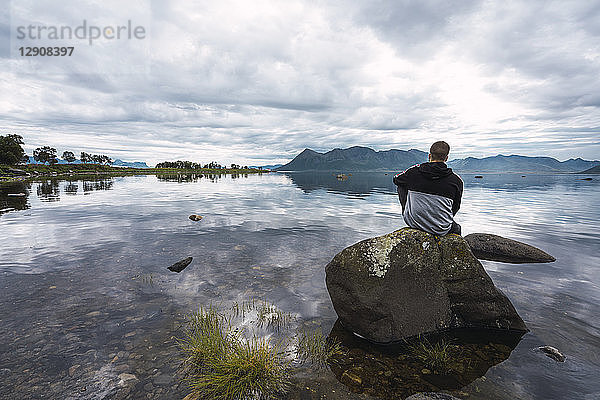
307 151
362 148
352 150
355 158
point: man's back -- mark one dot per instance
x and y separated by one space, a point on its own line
430 195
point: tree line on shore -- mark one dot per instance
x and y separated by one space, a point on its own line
192 165
12 153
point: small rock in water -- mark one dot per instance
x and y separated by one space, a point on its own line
195 217
553 353
349 378
180 265
73 369
127 377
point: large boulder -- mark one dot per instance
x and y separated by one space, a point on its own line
486 246
408 283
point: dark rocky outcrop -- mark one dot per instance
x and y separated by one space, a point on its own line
486 246
180 265
407 283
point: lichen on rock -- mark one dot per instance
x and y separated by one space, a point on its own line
380 254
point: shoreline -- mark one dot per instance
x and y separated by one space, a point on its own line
35 171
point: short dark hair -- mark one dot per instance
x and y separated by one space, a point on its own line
439 150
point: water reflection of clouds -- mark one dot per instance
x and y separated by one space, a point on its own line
141 226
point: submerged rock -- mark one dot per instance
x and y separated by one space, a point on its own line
406 283
125 378
400 370
553 353
486 246
180 265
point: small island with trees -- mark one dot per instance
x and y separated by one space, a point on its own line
15 164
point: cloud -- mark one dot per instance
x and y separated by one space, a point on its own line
237 82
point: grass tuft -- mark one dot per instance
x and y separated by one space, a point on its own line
437 356
221 364
316 348
271 317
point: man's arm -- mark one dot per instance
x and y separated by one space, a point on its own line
401 181
457 197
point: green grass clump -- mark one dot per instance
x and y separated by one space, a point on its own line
221 364
437 356
316 348
271 317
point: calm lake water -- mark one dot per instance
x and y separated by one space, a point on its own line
86 295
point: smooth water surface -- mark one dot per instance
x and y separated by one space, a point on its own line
86 295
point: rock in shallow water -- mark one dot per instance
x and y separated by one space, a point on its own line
180 265
486 246
553 353
406 283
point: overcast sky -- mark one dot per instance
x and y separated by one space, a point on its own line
256 82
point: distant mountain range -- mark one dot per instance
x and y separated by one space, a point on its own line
270 166
354 159
365 159
593 170
116 163
501 163
132 164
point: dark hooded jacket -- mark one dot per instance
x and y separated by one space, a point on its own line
430 195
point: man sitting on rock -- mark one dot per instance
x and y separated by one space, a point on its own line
430 193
